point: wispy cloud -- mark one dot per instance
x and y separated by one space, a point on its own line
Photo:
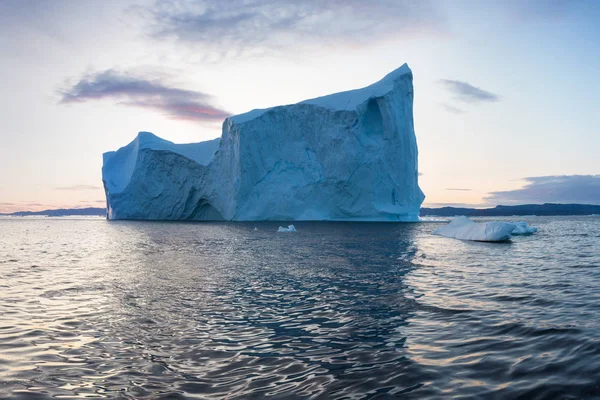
459 189
451 109
144 93
79 187
468 93
258 26
584 189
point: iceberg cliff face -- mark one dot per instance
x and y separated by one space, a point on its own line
346 156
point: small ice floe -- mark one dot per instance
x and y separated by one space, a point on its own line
290 228
521 228
255 229
465 229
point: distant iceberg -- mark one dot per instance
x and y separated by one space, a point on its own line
495 231
521 228
346 156
465 229
290 228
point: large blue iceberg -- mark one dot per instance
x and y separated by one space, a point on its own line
347 156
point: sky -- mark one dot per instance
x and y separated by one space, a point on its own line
507 93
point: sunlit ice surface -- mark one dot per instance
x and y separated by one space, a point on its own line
90 307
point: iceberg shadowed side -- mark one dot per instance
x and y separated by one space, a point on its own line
347 156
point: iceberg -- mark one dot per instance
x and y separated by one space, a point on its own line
290 228
521 228
465 229
346 156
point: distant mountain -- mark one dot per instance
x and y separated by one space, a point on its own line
525 209
63 212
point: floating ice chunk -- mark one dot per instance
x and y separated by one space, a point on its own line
521 228
255 228
290 228
465 229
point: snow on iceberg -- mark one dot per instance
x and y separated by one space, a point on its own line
465 229
346 156
290 228
521 228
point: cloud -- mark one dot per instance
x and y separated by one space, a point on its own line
79 187
258 26
452 109
459 190
143 93
584 189
468 93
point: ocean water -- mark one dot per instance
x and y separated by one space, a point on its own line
336 310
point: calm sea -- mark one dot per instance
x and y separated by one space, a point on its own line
336 310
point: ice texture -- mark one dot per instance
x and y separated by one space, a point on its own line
290 228
521 228
346 156
465 229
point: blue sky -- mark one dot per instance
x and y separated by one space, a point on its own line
507 93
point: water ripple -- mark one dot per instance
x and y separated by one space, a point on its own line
336 310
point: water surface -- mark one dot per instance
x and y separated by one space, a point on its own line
336 310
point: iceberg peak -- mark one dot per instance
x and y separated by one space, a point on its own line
351 99
145 135
342 101
398 72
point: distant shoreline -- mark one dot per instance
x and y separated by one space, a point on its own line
61 212
548 209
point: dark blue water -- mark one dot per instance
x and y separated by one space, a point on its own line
335 310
